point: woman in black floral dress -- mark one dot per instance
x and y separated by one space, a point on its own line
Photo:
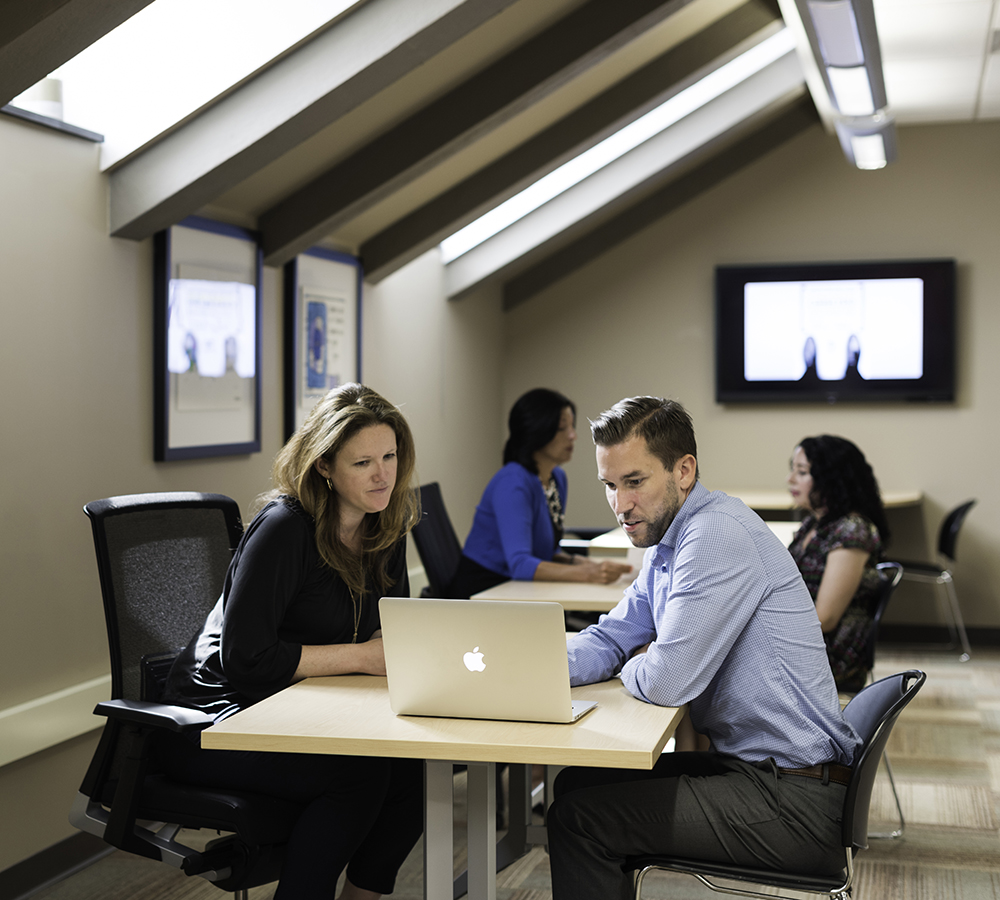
837 547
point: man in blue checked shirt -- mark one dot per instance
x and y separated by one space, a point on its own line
719 619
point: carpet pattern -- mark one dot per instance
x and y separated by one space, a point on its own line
945 754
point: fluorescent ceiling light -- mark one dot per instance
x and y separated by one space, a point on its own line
617 145
852 91
869 142
837 32
869 151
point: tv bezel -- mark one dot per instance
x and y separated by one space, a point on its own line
937 385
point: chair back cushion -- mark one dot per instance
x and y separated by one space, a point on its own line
952 524
872 713
891 573
162 559
437 543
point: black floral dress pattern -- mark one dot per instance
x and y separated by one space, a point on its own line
847 644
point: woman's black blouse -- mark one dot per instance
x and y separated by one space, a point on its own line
277 596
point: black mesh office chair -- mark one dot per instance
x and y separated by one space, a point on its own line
940 574
162 559
872 712
436 541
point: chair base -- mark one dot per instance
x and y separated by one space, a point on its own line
161 839
706 872
923 574
896 833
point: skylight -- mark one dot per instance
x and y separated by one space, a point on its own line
617 145
173 57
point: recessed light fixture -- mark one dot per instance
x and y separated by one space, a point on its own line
869 142
844 42
869 151
852 91
837 32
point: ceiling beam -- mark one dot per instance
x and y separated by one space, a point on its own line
414 234
769 134
373 46
452 122
38 36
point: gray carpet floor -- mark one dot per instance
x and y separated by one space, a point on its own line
945 752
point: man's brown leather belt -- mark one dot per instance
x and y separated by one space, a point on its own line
838 774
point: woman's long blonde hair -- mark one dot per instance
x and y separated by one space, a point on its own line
339 416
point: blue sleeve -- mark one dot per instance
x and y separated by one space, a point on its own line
716 584
599 651
515 507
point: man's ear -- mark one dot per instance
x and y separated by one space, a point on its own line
686 472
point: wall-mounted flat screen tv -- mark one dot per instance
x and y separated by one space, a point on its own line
836 332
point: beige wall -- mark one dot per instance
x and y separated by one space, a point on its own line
639 319
440 361
77 412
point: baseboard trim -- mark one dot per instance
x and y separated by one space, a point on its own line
890 633
51 865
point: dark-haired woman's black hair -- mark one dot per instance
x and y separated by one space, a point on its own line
843 482
533 422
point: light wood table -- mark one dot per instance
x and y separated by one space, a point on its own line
350 715
580 597
596 597
616 543
773 501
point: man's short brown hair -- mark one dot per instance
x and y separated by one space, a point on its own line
664 424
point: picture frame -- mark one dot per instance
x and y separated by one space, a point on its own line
322 328
206 340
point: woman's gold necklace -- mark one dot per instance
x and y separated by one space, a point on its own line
357 611
357 617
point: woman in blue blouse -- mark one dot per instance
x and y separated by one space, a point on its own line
519 520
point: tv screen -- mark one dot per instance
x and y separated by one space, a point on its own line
835 332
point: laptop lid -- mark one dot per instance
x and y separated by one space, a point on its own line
477 659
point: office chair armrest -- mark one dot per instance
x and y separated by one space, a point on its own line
158 715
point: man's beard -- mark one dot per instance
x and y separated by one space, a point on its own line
653 533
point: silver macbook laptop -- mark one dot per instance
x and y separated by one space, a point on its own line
478 659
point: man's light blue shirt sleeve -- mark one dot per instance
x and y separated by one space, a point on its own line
704 598
598 652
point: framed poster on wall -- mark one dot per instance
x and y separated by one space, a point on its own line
206 334
322 329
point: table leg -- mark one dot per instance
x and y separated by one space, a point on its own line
482 815
439 790
513 845
486 855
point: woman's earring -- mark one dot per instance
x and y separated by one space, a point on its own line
329 484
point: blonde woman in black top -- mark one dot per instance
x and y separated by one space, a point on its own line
301 599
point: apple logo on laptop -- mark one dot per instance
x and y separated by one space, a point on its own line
474 660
